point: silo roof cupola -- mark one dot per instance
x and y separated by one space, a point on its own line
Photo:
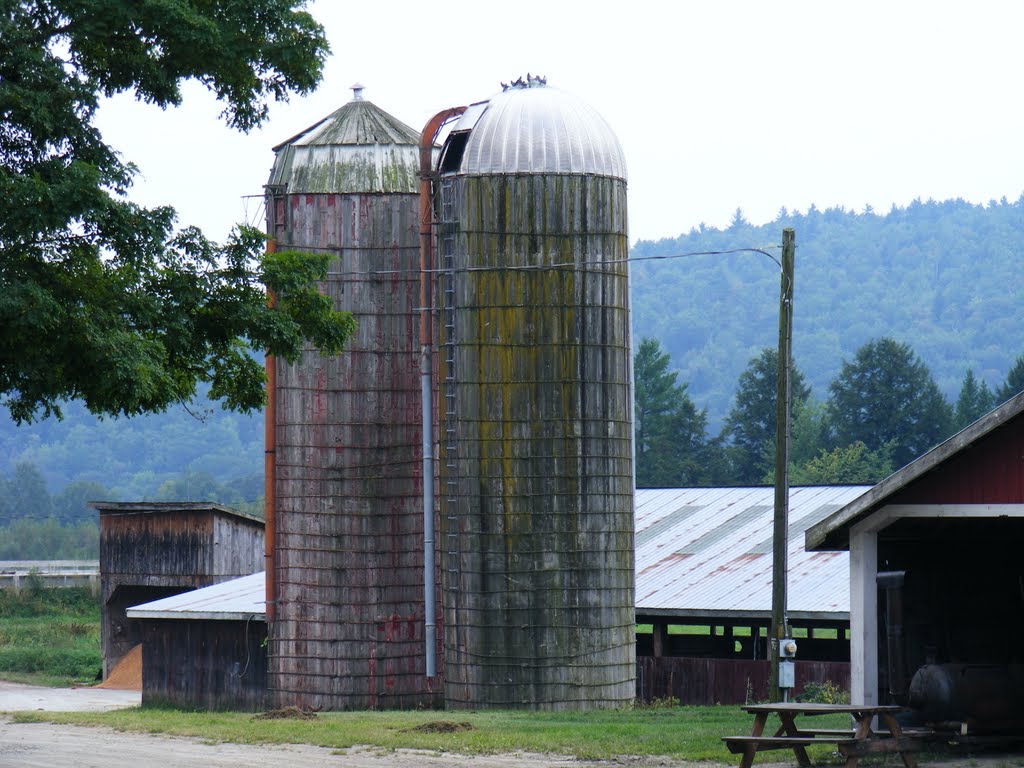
357 148
531 127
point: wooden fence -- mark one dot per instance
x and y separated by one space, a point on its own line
724 681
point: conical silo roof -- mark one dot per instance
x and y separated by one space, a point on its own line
538 129
358 148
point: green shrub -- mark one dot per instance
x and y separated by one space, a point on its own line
73 663
824 693
50 635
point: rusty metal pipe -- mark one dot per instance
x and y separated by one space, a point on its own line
270 470
427 138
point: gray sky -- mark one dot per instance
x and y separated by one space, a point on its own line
718 104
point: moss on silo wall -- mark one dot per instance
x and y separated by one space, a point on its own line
536 468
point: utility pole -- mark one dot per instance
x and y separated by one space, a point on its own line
780 547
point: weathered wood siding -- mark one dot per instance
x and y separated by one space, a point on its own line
536 432
149 551
238 549
696 681
349 626
208 665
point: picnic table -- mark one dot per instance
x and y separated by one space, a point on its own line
853 743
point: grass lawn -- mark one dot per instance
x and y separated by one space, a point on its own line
685 733
49 636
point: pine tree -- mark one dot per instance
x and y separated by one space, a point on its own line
887 395
975 401
1014 381
750 427
672 449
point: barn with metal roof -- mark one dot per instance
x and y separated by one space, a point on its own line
935 549
704 582
703 585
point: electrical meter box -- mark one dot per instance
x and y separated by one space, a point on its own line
787 648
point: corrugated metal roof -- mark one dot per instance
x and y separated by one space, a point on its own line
539 130
358 122
358 148
699 552
239 599
706 551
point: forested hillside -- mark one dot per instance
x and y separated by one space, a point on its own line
947 278
134 457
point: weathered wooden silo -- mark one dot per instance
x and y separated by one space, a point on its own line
535 408
346 574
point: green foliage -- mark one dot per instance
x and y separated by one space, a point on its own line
672 447
824 693
750 427
1014 382
945 274
851 464
974 401
73 604
50 636
102 301
27 539
116 459
886 396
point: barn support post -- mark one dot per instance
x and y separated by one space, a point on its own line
863 616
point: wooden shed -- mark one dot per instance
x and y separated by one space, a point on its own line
150 550
936 577
206 649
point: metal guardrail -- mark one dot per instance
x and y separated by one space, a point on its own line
17 574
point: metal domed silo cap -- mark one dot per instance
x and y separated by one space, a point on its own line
538 129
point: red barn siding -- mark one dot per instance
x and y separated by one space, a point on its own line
990 471
695 681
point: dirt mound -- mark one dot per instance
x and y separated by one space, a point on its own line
286 712
127 673
441 726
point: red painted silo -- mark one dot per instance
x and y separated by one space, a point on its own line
347 560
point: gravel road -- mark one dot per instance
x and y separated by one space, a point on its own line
46 745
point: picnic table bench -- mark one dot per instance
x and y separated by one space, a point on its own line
853 743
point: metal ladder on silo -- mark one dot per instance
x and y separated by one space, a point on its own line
449 400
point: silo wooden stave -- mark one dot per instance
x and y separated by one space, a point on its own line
536 467
348 561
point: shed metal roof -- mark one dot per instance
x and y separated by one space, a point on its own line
239 599
107 508
708 552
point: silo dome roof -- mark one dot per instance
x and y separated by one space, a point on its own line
539 129
357 148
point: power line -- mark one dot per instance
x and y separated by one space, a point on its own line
535 267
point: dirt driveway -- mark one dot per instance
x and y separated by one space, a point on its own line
45 745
